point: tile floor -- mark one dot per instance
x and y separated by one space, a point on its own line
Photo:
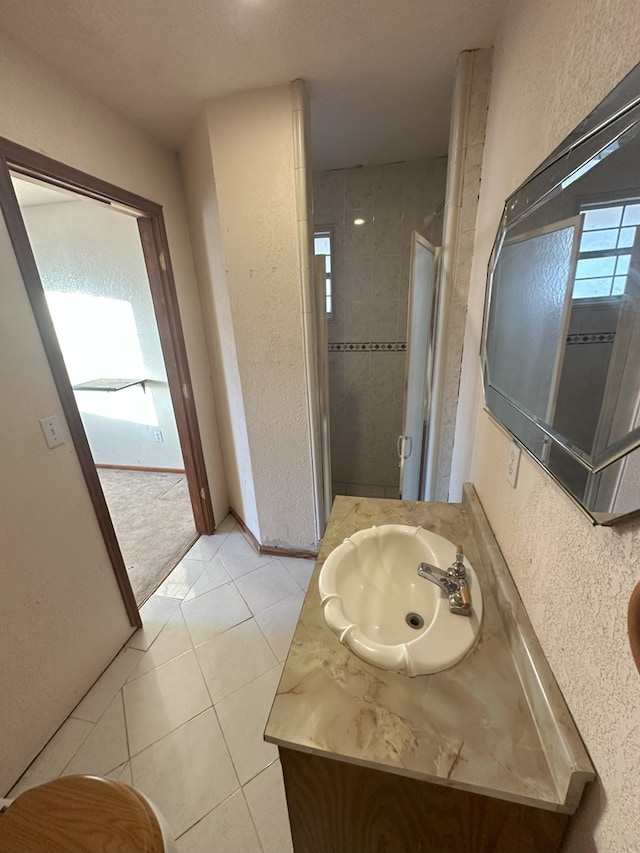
180 712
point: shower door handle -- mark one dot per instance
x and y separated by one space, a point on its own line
401 446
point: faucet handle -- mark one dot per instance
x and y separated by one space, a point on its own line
457 569
459 572
465 595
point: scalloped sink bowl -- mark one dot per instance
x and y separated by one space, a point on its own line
374 600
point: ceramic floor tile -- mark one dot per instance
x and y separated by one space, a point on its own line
237 543
300 570
214 575
278 623
181 579
121 774
100 696
187 773
55 756
233 659
214 612
241 564
163 699
172 641
105 747
154 614
228 525
266 586
115 773
243 717
206 547
268 806
227 829
127 776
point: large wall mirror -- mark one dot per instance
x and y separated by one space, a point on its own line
561 346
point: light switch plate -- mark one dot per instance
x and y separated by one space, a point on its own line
53 431
513 464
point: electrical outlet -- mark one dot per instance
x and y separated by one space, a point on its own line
157 434
513 464
53 431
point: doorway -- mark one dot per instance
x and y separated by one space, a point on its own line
370 213
97 271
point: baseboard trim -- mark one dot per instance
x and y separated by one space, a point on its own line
268 550
140 468
252 539
289 552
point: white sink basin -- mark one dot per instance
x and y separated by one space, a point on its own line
371 592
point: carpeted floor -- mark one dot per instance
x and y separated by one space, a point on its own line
153 520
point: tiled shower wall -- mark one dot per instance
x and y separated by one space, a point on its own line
368 328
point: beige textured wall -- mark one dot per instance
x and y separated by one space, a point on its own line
61 615
553 62
251 139
206 238
466 145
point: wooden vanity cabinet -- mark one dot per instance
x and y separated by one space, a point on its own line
335 807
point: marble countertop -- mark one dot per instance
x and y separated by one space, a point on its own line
470 727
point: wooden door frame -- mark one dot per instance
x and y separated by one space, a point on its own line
17 158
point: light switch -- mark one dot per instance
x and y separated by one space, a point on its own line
513 463
53 431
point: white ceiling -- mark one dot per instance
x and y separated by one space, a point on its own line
379 72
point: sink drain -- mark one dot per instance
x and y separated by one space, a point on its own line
414 620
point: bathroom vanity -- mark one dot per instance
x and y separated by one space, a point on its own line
481 758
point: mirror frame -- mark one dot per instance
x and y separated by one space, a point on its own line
617 114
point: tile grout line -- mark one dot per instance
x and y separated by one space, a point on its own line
266 639
224 737
235 692
215 711
255 775
175 729
144 651
226 799
92 724
297 581
274 559
149 672
126 729
131 680
253 822
193 643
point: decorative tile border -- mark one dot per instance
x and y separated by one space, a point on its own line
369 346
592 338
401 346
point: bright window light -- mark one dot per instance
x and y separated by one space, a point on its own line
608 236
322 245
99 340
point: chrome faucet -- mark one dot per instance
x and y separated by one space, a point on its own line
453 583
